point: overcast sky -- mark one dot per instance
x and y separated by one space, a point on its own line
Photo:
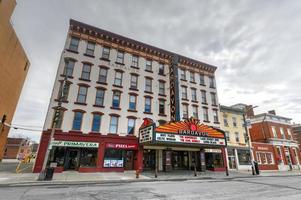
256 46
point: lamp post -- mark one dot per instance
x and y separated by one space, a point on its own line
249 139
57 114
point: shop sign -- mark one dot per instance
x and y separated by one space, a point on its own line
213 151
165 137
284 143
263 148
74 144
121 146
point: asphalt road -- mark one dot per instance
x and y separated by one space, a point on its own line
243 188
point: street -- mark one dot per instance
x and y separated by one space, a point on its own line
239 188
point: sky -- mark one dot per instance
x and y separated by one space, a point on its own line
255 44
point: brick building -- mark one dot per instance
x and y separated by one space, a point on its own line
17 148
274 145
14 66
297 133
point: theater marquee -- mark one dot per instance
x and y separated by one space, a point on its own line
183 132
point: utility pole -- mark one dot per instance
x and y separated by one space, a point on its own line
57 114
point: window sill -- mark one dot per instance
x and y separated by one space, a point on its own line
212 87
72 51
105 59
129 110
98 106
192 82
161 74
150 71
162 115
149 113
82 79
102 83
62 75
118 86
202 84
134 89
204 103
183 80
148 92
183 99
91 56
216 122
79 103
135 67
162 95
215 105
194 101
114 108
118 63
206 121
63 101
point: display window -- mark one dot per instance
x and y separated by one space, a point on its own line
244 157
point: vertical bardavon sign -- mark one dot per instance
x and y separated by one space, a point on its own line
174 89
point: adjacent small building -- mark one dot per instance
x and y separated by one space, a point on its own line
274 145
14 66
238 148
17 148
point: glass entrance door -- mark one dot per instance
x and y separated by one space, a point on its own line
180 160
72 159
129 160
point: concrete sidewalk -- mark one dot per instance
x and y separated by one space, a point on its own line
75 178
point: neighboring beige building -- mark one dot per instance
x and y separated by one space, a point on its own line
14 66
238 149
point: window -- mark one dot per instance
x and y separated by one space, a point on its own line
215 116
246 138
161 68
282 133
211 82
100 96
88 157
82 94
226 121
90 48
103 73
203 95
134 81
289 134
148 105
213 98
59 119
161 87
135 61
206 115
74 43
195 113
234 121
192 77
118 78
96 122
113 124
184 92
106 53
69 66
244 157
185 111
86 71
202 79
193 94
274 132
132 102
280 158
120 57
148 84
77 121
227 135
116 99
162 107
131 126
236 136
183 74
148 66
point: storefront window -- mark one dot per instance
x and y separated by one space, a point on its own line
214 160
113 158
57 155
88 157
244 157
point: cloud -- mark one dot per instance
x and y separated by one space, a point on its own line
255 44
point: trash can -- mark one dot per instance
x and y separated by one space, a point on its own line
256 167
49 173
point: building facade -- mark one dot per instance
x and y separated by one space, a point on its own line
297 133
14 66
238 148
275 147
113 85
17 148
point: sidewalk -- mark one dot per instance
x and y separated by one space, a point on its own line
75 178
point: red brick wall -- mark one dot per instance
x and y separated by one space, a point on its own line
265 148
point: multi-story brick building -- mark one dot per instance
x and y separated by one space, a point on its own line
14 66
17 148
274 145
115 84
238 148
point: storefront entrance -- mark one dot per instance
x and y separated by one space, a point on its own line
129 160
72 159
214 161
180 160
149 159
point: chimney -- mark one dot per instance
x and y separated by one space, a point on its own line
249 111
272 112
